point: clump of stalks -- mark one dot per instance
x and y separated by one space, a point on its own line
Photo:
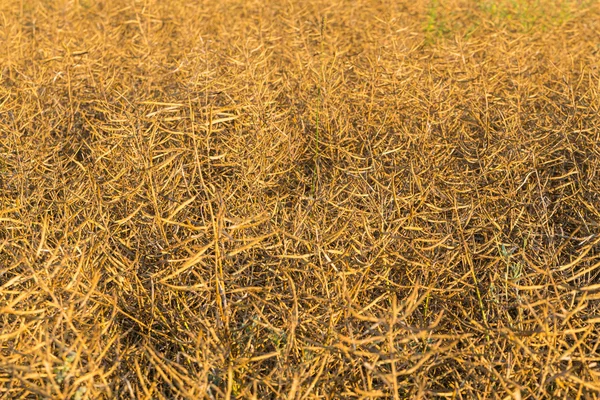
156 159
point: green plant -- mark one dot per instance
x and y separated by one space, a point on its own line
435 25
61 371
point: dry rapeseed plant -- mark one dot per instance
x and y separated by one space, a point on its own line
303 199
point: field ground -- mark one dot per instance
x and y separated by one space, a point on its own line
299 199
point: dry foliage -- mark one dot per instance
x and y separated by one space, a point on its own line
302 199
